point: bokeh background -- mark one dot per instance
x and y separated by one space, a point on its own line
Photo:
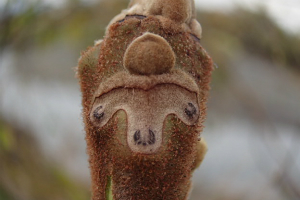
253 123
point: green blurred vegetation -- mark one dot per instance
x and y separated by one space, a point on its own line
27 174
37 25
253 32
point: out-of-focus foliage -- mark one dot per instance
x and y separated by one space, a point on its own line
249 31
25 173
26 24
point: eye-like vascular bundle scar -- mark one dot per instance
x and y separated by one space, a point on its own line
144 91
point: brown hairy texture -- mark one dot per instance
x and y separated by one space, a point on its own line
180 12
117 102
149 54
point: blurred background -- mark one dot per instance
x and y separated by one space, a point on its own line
253 122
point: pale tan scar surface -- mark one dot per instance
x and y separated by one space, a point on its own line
146 112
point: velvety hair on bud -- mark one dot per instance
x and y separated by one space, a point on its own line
149 54
144 91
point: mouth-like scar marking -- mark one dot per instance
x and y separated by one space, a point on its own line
151 137
146 112
137 136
